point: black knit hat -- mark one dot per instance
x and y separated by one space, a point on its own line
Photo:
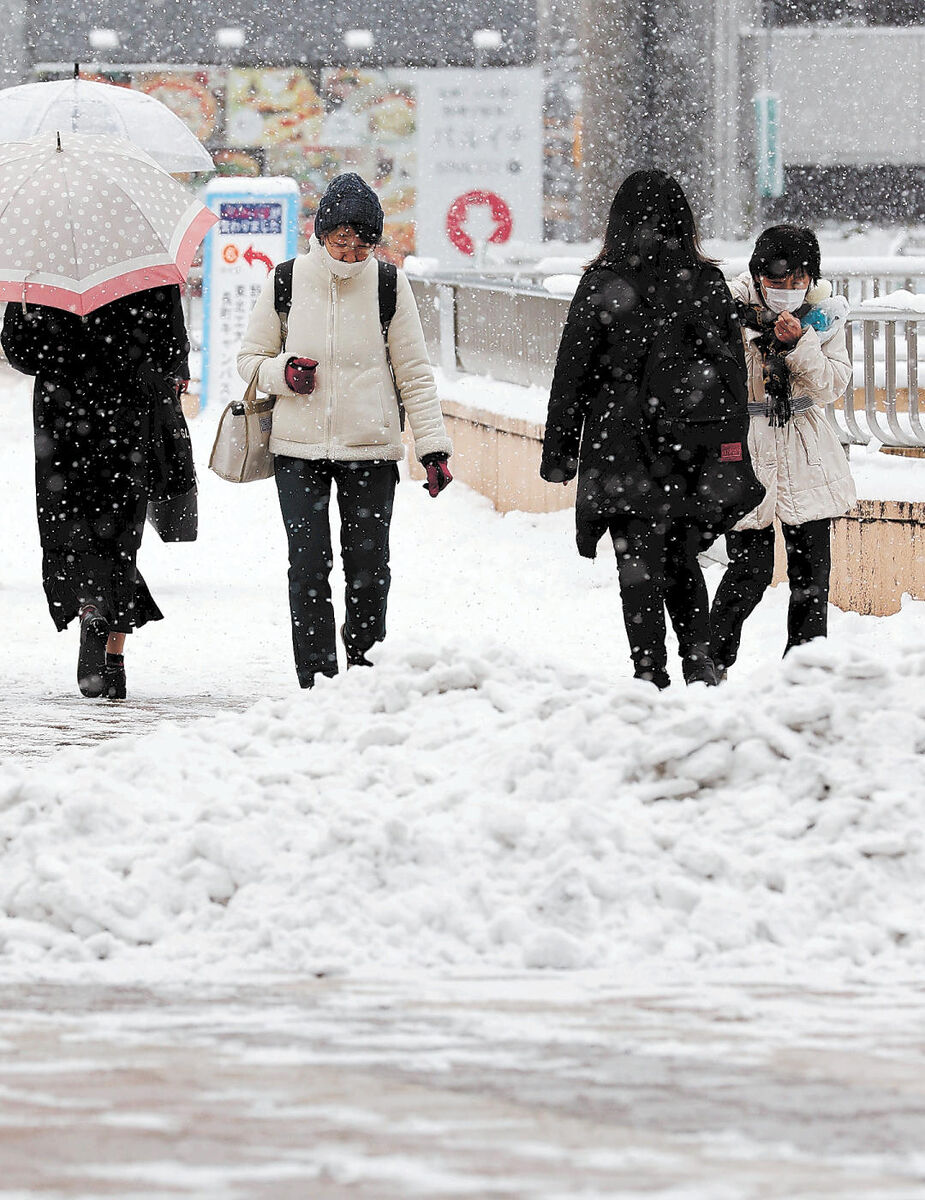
350 200
783 249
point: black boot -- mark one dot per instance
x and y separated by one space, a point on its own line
91 660
114 677
660 678
307 678
698 667
355 658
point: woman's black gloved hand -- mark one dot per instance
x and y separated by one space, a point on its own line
563 471
438 473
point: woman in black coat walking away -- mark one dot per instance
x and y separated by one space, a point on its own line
109 438
648 407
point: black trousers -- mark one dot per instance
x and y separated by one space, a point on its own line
365 492
751 568
658 569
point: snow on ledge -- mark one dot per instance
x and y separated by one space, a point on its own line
493 396
901 300
561 285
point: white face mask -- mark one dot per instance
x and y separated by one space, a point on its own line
784 299
343 270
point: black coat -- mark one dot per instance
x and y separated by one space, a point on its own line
595 425
109 436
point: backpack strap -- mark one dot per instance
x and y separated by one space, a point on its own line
282 295
388 301
388 294
282 287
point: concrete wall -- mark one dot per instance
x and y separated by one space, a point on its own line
878 550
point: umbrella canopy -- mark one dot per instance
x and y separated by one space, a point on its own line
85 220
81 106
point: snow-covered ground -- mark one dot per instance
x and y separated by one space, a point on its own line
496 793
497 800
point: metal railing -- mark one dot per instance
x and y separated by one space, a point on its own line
510 332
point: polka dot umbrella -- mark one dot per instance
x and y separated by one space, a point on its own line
85 220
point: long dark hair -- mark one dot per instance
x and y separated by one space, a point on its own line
651 226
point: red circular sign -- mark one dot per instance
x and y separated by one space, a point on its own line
459 211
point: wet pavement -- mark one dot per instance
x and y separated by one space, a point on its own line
536 1088
34 730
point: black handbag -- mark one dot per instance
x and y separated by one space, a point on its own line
175 518
172 498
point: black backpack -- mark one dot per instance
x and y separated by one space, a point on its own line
694 389
388 299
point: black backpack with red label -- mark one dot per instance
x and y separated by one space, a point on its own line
694 388
693 401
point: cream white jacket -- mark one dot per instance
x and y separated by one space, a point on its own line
803 466
353 411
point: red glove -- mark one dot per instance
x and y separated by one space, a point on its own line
438 473
182 387
300 375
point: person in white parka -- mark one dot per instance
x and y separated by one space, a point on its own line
795 348
337 420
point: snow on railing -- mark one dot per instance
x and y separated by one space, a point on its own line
509 331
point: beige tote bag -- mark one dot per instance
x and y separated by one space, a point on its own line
241 452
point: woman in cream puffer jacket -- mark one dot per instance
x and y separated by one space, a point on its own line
802 465
336 419
798 362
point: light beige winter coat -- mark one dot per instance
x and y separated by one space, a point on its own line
353 413
803 466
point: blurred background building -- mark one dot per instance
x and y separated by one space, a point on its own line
544 105
673 82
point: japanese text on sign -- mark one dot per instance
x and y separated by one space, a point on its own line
250 218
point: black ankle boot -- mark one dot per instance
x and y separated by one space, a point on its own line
698 667
660 678
114 677
91 659
355 658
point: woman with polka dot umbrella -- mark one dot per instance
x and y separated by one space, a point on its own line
94 241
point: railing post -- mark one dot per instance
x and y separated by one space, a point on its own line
446 308
912 379
890 380
855 433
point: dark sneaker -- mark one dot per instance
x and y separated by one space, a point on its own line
114 677
91 660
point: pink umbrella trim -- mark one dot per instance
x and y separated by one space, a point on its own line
136 280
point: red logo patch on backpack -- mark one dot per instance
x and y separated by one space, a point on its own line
730 452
